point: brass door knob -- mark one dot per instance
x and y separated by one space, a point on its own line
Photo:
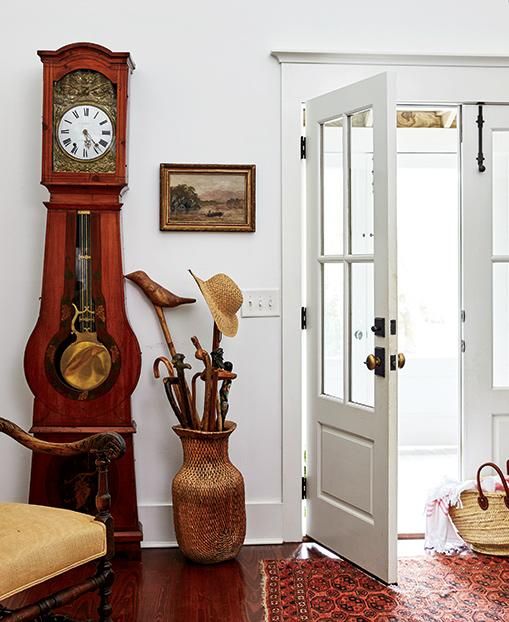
401 360
372 362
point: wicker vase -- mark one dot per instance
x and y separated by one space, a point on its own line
208 498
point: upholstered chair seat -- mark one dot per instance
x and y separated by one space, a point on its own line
38 543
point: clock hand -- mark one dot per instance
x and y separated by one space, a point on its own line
89 140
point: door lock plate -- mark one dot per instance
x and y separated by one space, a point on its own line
380 370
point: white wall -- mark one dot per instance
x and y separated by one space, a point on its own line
205 90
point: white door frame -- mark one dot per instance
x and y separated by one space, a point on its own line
421 79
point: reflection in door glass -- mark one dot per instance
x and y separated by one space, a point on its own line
362 338
361 166
332 341
500 192
332 163
500 324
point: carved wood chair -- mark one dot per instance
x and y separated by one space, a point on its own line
38 543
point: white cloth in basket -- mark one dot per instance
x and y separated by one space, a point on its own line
441 535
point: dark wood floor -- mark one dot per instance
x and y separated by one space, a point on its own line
164 587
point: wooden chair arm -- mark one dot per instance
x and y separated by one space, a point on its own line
105 447
108 444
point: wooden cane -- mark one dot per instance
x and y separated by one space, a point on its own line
203 355
169 387
182 391
193 395
219 417
166 330
217 336
180 366
213 400
178 393
224 392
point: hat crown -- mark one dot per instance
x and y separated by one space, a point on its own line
225 293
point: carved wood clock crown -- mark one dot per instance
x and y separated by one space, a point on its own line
82 361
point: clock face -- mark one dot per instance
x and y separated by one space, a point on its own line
85 132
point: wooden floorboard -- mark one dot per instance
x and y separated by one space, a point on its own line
164 587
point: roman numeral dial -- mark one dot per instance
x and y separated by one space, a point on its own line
85 132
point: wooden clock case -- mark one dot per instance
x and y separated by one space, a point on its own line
61 412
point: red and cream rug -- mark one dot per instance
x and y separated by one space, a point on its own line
474 588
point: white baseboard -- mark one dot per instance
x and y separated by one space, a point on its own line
264 524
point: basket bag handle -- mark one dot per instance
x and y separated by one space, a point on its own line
482 499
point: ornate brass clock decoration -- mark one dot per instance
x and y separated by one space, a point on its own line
79 91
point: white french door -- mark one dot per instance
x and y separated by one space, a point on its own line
351 280
486 288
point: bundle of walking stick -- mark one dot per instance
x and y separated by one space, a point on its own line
183 400
217 375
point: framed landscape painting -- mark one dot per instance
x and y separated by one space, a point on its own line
207 197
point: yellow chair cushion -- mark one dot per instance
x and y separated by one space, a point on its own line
37 543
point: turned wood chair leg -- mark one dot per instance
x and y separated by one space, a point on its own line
104 568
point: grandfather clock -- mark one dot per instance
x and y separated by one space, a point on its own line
82 360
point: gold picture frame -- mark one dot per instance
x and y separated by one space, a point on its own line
207 197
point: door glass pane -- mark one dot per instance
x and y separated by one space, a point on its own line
361 181
332 162
362 338
500 192
332 346
500 324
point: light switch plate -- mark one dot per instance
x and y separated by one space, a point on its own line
261 303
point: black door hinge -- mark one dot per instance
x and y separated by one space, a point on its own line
302 147
304 488
303 318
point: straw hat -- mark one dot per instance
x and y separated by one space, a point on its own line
224 299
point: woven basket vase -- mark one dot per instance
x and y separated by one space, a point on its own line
209 509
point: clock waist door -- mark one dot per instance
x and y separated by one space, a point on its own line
82 360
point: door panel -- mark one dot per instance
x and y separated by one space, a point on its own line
486 289
351 278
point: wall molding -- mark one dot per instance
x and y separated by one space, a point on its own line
264 524
401 60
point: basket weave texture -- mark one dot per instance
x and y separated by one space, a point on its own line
209 509
487 531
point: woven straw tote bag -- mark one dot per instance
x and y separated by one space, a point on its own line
483 521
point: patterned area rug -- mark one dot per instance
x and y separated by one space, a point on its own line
473 588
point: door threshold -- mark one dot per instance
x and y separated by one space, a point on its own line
411 548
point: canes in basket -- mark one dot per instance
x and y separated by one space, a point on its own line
483 521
